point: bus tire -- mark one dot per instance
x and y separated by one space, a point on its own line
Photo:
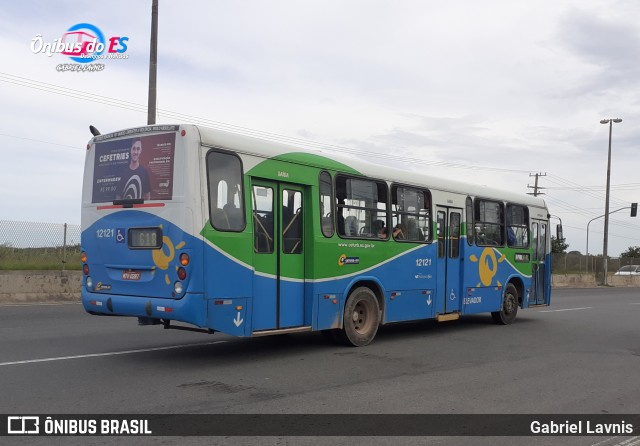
361 318
509 309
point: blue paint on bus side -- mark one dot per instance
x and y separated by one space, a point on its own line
140 282
225 295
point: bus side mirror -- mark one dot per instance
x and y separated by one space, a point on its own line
634 209
559 232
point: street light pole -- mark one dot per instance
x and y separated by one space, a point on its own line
605 243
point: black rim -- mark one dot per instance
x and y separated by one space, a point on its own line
362 317
510 304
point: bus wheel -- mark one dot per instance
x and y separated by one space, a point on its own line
361 318
509 307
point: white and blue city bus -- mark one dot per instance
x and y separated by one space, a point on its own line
203 229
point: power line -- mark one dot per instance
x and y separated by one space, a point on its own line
39 140
168 114
105 100
563 181
627 186
592 231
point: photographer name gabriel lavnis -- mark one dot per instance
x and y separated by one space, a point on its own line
580 427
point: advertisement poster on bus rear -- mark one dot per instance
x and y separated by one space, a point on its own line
134 168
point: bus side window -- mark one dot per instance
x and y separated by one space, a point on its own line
469 218
517 226
360 202
489 223
534 240
441 232
542 242
326 210
226 207
263 219
410 213
291 222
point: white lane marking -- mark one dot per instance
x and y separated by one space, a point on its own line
604 441
629 442
96 355
566 309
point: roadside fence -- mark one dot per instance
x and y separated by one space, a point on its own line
34 245
563 263
26 245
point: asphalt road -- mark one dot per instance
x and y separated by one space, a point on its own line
580 356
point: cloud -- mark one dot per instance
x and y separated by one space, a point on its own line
607 44
510 86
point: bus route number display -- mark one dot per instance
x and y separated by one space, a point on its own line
145 238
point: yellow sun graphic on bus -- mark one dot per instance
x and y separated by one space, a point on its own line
487 265
163 257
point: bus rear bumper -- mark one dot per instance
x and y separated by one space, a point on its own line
190 309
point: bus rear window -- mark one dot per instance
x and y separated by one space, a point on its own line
134 168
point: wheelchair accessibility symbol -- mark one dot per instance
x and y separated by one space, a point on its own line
120 238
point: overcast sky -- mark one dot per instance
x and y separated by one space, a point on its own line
488 92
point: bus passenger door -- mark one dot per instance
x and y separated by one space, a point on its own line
278 285
449 260
539 234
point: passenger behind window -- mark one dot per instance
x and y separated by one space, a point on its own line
351 226
379 229
511 236
399 232
413 231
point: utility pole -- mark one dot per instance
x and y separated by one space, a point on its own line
153 65
535 187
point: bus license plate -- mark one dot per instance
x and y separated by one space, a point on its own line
131 275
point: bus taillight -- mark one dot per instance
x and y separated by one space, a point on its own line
83 257
182 273
184 259
85 269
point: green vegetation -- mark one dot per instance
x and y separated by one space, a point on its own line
631 252
558 246
52 258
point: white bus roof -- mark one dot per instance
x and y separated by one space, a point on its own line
270 148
